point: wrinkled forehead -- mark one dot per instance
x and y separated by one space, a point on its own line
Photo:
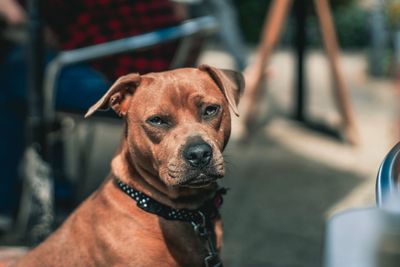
179 87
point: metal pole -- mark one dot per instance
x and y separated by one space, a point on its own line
36 215
300 14
35 123
379 38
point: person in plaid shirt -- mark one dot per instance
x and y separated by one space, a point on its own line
74 24
78 23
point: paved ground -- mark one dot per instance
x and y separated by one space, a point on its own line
288 180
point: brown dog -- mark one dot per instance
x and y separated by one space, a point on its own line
177 125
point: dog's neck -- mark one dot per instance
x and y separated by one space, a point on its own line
132 174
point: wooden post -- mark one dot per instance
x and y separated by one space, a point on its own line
254 75
341 91
271 32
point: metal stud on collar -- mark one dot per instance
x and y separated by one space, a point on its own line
143 201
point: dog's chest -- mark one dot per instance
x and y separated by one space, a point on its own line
167 243
183 243
144 239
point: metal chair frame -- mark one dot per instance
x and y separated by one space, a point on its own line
387 179
186 31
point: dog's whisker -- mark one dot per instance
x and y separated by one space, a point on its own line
218 163
172 175
175 171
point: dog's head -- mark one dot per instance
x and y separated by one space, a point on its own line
178 122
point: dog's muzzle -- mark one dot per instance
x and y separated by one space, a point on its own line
198 155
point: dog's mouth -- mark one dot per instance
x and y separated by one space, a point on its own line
202 180
179 175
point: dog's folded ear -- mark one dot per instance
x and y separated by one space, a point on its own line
230 82
118 96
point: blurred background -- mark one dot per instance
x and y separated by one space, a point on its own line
286 176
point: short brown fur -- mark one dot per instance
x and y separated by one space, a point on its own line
108 229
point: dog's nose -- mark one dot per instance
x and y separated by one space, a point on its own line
198 155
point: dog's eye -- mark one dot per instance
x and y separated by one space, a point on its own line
210 111
157 121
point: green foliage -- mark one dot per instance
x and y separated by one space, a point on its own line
352 26
350 19
392 8
251 15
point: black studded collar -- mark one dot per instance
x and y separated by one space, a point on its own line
200 219
208 211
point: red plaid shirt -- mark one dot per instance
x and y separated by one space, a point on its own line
79 23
